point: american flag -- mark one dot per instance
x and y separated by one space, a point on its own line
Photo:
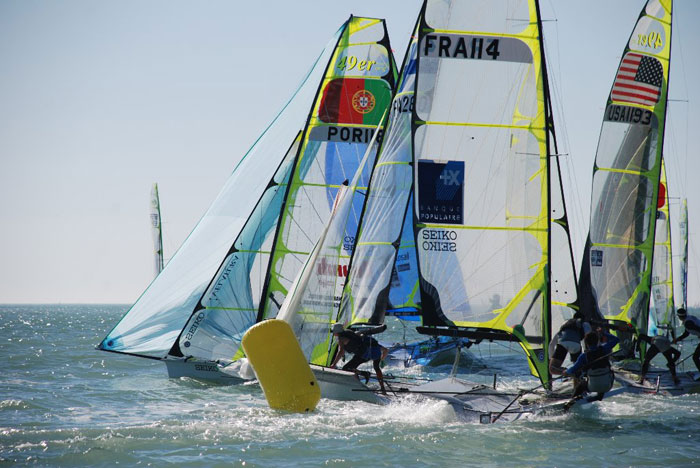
638 80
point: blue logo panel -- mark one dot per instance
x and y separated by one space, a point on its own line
441 191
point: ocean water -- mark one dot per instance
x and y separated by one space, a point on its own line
63 403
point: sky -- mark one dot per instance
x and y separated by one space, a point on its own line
98 100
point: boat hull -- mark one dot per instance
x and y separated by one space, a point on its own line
342 385
209 371
659 382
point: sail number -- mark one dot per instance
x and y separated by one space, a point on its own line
403 104
462 47
349 62
653 39
626 114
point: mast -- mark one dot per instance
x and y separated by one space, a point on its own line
615 280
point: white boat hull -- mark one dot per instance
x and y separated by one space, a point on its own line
342 385
203 370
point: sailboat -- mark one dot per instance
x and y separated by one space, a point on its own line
626 274
616 272
467 174
236 266
156 230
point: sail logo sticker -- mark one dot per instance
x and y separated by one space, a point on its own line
363 101
597 258
193 328
441 191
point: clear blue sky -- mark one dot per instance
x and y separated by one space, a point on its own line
98 100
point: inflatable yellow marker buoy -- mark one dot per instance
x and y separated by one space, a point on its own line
282 370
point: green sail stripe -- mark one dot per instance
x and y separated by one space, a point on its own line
481 228
481 33
484 125
392 163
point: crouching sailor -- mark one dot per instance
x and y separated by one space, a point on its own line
659 344
595 364
364 348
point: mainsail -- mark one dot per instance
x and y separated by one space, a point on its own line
352 100
615 280
489 214
662 310
156 230
218 283
464 180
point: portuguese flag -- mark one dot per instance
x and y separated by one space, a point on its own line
354 101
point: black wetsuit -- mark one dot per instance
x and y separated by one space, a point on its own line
671 354
363 348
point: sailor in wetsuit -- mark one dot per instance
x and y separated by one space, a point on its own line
692 327
595 363
659 344
568 340
364 348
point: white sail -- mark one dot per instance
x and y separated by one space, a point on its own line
154 322
235 265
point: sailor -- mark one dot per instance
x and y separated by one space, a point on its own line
567 340
692 327
660 344
595 364
364 348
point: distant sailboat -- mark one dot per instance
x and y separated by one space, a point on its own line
237 264
662 312
156 230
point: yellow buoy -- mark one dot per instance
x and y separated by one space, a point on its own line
282 370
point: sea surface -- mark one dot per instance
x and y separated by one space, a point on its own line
63 403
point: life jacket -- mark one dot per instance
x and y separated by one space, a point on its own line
356 344
359 345
600 376
570 335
